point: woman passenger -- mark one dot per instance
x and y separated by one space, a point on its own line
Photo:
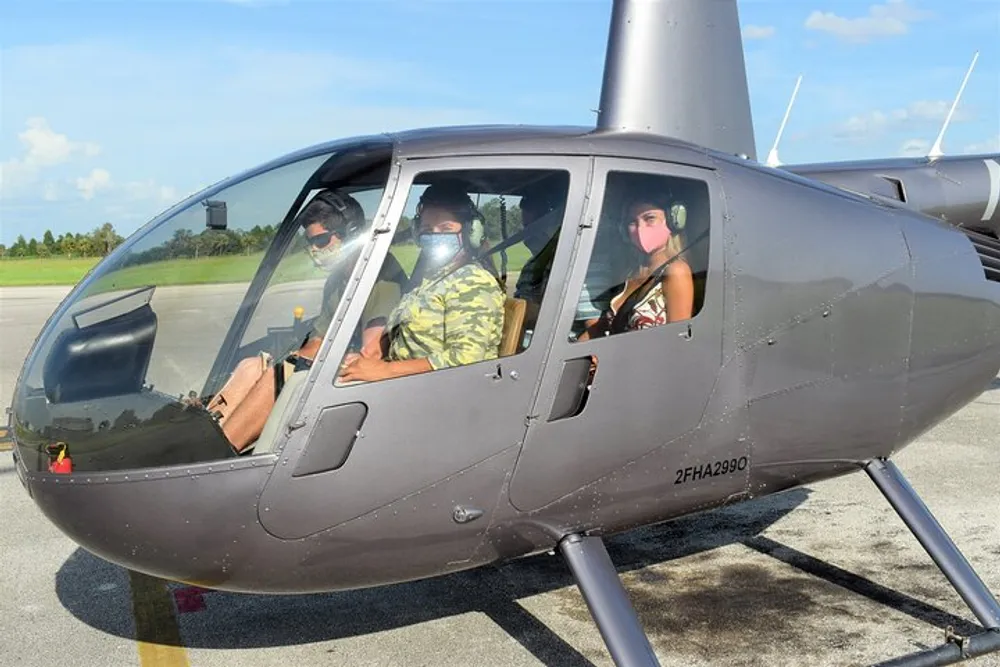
659 287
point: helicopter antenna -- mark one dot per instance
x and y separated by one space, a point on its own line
772 157
675 68
936 151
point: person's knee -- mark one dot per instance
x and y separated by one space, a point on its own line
247 365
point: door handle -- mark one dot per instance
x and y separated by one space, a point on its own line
574 387
332 440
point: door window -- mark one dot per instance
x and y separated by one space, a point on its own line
465 276
650 255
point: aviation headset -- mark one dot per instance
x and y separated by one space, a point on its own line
453 196
347 207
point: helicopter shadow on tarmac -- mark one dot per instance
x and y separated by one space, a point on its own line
744 600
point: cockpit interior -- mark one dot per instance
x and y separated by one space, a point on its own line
146 360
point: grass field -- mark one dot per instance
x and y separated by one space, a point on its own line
51 271
204 270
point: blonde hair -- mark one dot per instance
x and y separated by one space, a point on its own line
676 243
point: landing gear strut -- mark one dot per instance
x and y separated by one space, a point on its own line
608 603
623 635
952 563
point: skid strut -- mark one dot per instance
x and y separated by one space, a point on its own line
608 603
626 641
953 565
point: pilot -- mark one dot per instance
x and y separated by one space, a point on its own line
453 313
334 225
659 287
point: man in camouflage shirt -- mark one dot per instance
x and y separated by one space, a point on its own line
453 314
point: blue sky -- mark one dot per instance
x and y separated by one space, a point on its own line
112 111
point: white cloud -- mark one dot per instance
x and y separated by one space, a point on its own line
991 145
885 20
922 111
142 190
160 136
42 148
758 31
914 148
97 179
45 147
235 122
936 110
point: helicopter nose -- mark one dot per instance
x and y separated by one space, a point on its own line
955 327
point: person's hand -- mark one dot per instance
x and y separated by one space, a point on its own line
363 369
372 351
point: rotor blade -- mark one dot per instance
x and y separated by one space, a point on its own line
772 157
935 151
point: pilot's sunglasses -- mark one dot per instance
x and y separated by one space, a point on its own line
320 240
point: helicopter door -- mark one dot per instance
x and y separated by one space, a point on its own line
420 439
634 360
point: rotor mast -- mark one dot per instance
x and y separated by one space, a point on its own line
675 68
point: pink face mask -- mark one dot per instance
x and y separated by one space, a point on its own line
649 238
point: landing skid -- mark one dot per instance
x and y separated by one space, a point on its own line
625 639
953 565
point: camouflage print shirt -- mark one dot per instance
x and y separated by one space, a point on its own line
450 320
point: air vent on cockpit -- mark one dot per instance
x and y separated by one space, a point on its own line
988 249
891 188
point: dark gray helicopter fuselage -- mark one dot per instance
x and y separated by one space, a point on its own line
834 330
963 190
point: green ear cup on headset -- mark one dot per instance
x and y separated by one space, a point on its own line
475 232
678 214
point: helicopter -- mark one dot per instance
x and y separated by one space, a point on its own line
658 355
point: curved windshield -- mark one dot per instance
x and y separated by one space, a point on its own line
171 342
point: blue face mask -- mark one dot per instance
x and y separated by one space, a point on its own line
437 249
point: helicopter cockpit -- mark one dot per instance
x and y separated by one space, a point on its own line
122 376
222 276
444 264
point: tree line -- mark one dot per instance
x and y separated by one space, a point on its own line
104 239
97 243
185 244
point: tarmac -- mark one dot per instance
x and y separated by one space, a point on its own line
825 574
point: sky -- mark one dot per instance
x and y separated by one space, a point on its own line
113 110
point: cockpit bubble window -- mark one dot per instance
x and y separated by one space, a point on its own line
649 262
312 274
140 367
465 275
